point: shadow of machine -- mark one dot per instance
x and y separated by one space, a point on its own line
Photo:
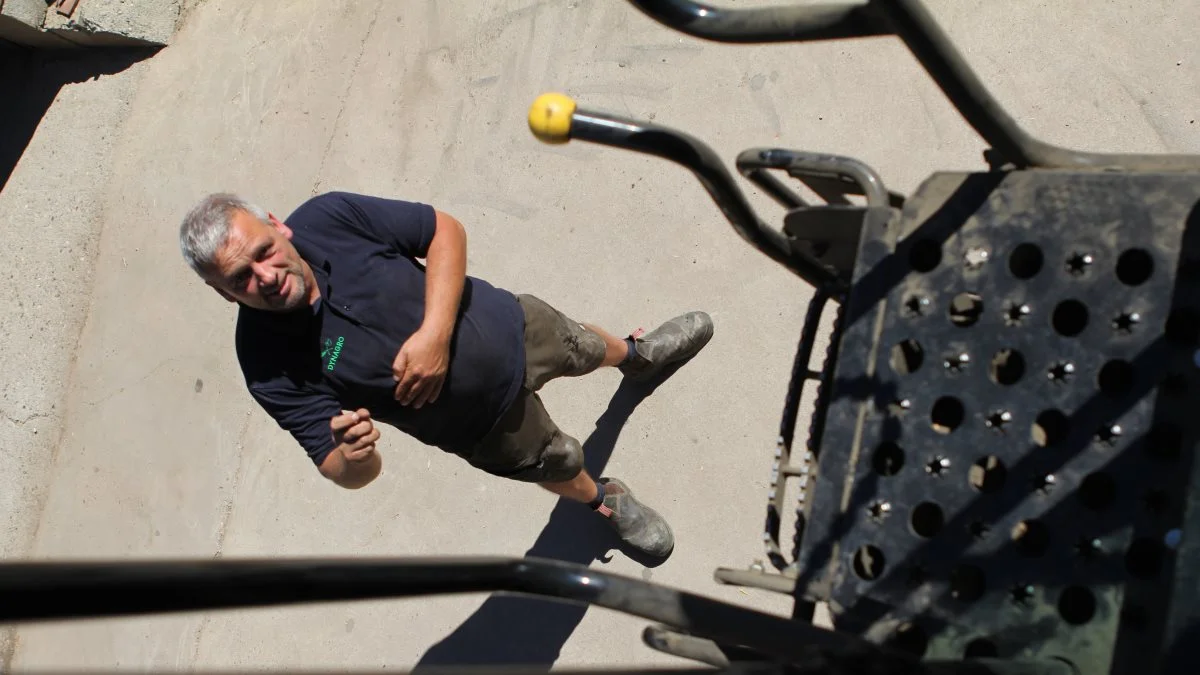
999 474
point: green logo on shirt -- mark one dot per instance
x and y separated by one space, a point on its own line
332 350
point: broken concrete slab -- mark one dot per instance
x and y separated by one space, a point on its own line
117 22
21 23
29 12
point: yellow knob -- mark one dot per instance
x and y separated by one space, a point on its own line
550 117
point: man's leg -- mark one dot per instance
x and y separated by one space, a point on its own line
526 445
582 488
615 349
557 346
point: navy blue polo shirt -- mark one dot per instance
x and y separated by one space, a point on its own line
305 367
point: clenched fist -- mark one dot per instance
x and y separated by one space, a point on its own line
354 434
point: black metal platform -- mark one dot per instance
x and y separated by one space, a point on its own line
1009 436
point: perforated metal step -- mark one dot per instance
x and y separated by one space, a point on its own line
1009 443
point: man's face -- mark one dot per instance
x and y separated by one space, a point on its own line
258 266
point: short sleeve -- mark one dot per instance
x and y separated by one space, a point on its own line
303 412
407 227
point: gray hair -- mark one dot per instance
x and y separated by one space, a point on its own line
206 227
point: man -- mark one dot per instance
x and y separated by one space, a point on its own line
340 326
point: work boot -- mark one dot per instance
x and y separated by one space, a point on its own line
679 339
635 523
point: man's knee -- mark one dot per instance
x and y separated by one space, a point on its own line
563 460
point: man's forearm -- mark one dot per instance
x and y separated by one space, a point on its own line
351 474
445 274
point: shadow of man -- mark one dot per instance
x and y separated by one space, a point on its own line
516 630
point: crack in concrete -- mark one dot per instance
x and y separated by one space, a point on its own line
25 420
226 514
10 649
337 121
227 505
140 379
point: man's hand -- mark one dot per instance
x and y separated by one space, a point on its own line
354 435
354 462
420 368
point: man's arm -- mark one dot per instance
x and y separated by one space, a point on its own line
420 367
341 444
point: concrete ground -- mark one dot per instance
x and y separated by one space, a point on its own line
126 427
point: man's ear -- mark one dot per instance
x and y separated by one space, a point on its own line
221 292
283 229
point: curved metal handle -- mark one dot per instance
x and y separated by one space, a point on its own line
764 24
555 118
912 22
40 591
752 163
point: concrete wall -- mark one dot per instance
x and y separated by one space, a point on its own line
51 213
21 24
32 23
128 22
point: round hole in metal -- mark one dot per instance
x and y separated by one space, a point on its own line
1134 267
1164 441
910 639
981 648
1025 261
1115 378
1031 537
907 356
1183 327
888 459
1008 366
1174 385
1049 428
927 519
987 474
1144 558
1098 491
1134 617
965 309
1157 501
1076 605
917 574
947 414
869 563
1070 317
925 255
967 583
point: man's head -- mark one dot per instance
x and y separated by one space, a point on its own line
245 254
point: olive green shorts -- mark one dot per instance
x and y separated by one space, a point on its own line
525 444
